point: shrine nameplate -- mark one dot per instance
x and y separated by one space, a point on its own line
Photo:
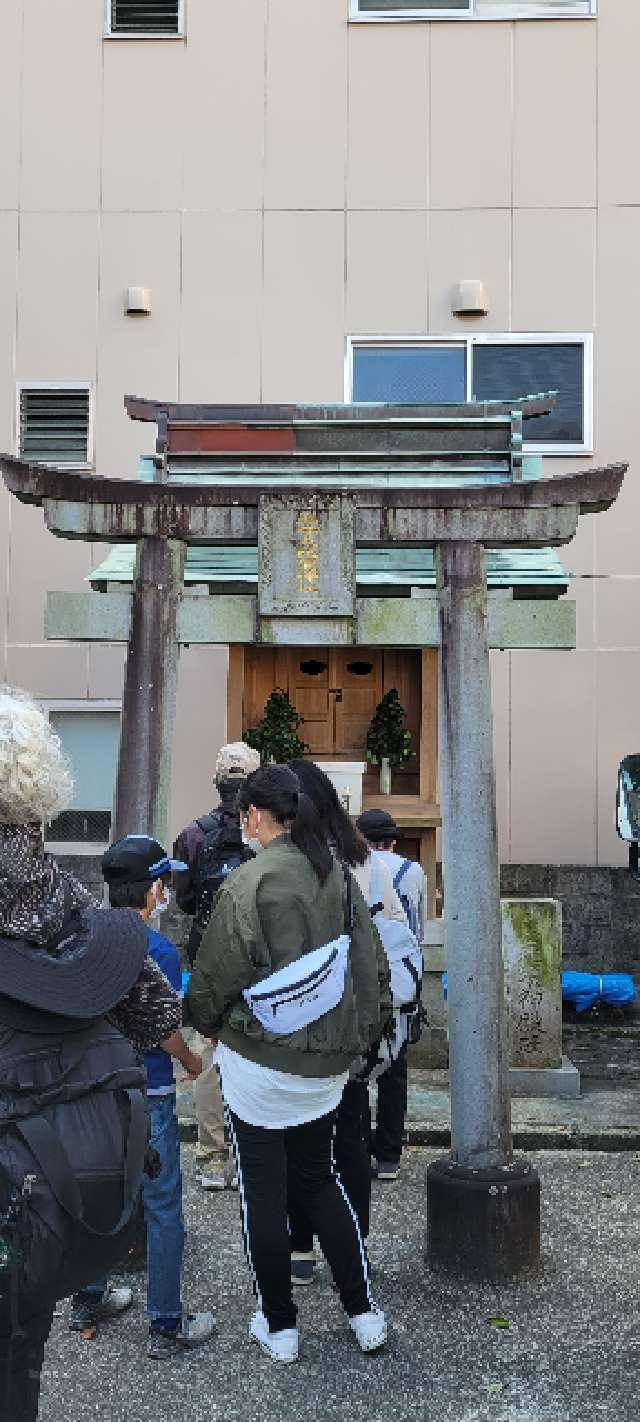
306 556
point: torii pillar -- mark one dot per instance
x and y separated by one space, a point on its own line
143 780
483 1209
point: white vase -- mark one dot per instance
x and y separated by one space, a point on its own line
385 776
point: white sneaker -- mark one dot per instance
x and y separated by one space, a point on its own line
370 1329
281 1347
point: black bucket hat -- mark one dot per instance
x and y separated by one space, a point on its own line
93 970
377 824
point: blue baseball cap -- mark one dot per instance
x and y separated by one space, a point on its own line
136 858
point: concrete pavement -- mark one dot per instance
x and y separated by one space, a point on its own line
605 1117
570 1353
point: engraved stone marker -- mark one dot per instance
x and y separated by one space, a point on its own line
532 953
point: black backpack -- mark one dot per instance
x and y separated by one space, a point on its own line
73 1136
221 851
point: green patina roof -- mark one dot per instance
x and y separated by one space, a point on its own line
539 569
393 567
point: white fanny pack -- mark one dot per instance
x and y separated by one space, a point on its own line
305 990
302 992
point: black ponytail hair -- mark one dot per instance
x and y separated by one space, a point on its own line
350 845
276 788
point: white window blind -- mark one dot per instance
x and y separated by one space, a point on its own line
90 741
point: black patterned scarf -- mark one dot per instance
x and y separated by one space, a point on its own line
35 894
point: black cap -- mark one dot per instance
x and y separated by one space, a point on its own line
136 858
377 824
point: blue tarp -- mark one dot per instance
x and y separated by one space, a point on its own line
585 989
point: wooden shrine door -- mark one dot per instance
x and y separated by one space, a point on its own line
336 690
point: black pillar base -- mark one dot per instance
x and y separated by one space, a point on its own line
483 1223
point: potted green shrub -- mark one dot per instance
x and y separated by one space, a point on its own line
388 740
276 736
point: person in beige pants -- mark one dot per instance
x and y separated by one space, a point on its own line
235 761
212 1154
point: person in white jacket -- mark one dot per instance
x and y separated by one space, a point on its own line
409 879
352 1143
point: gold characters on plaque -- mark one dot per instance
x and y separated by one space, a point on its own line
307 552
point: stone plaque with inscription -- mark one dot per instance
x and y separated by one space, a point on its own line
306 556
532 954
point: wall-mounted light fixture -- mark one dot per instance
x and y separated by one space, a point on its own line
137 301
469 298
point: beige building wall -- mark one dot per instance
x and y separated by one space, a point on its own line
283 179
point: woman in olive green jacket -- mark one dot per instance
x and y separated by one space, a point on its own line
282 1087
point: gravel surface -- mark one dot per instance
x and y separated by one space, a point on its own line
570 1353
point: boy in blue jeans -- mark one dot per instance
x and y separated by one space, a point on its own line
138 872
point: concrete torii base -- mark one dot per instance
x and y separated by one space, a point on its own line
484 1223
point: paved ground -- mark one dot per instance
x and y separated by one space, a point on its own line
605 1117
570 1354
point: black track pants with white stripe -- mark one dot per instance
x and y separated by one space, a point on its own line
352 1155
296 1164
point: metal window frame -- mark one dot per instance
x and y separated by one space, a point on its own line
88 385
516 10
178 34
497 338
83 847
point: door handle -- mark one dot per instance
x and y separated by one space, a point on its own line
336 691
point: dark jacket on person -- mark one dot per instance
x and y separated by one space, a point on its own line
269 912
187 848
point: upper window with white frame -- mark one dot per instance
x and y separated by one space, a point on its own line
487 367
472 9
144 19
55 423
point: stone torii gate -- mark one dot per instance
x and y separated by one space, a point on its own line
309 483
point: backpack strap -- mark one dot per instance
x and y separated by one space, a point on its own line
375 898
207 823
47 1151
406 864
348 883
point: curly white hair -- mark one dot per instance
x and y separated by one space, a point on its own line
35 778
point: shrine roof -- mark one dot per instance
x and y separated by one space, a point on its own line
531 572
342 446
153 411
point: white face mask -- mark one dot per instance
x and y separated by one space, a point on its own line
250 840
160 908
